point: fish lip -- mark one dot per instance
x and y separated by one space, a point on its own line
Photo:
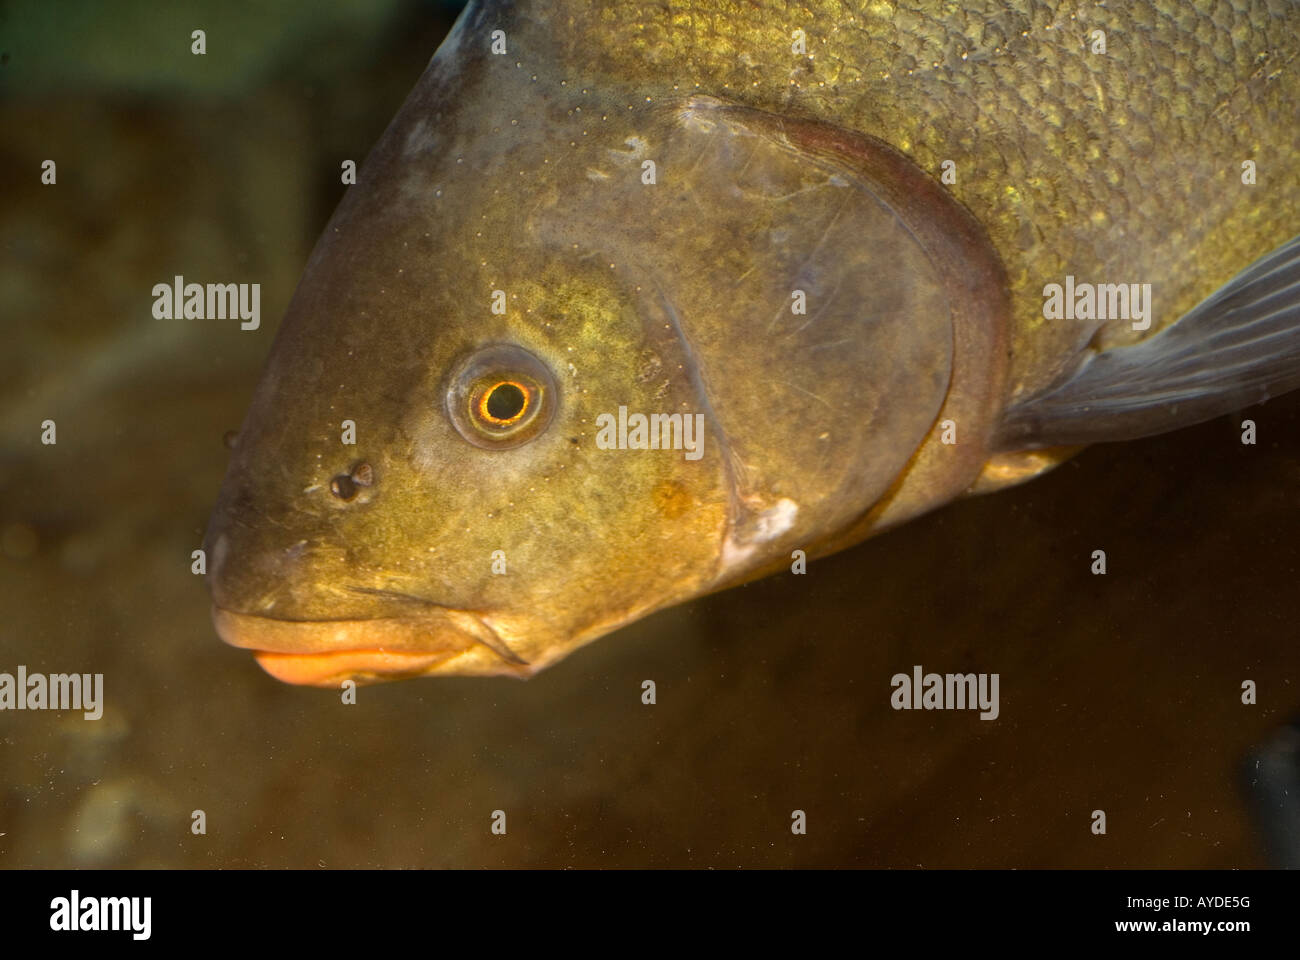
326 649
329 669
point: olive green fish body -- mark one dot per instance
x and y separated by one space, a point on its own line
808 245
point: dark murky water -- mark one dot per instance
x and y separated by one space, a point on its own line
1120 693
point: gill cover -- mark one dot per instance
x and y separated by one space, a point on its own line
828 301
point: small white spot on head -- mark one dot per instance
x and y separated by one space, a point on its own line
636 148
420 139
733 556
220 550
776 520
767 525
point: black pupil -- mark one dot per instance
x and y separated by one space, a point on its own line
505 402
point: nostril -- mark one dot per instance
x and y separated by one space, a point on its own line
343 487
346 486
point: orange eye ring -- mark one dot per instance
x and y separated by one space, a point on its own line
500 396
497 401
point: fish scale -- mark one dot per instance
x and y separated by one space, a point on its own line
1074 162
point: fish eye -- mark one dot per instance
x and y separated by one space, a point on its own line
501 396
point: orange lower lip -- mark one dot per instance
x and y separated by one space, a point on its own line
331 669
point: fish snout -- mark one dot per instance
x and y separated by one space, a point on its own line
273 555
252 578
317 608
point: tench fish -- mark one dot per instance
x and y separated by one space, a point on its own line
633 302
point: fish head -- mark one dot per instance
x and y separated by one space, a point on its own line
416 488
566 357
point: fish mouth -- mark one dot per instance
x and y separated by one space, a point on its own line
324 653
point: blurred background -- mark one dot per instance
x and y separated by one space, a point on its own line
1120 693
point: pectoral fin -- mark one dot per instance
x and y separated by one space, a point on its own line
1237 348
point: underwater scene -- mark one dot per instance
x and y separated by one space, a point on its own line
702 435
